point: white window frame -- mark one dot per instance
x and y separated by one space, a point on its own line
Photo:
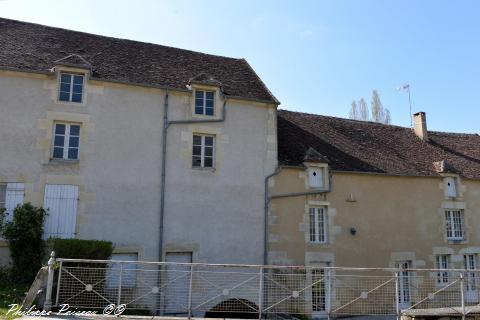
70 93
454 224
202 151
404 283
66 141
318 224
442 263
204 104
470 263
323 294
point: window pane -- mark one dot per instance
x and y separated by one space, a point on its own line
209 111
59 141
64 96
74 130
77 88
60 129
209 141
208 151
73 142
65 78
196 161
198 110
76 97
209 103
65 87
208 162
209 95
58 153
197 150
78 79
72 153
197 140
199 94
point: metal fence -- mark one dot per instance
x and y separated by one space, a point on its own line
251 291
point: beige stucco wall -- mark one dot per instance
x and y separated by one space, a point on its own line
119 170
396 218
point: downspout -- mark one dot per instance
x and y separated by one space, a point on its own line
265 215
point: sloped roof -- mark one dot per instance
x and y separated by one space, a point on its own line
351 145
34 47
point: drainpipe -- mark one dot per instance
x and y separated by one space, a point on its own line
265 215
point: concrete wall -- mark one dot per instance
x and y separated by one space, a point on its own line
395 218
119 170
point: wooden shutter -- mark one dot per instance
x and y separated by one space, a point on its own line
61 202
13 197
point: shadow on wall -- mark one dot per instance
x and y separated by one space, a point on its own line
234 309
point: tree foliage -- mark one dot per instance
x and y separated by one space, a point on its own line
376 113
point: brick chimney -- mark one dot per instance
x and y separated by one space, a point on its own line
420 125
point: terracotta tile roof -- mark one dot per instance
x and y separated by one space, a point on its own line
351 145
34 47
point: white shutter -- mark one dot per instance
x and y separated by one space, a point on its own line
61 202
129 270
315 177
451 188
13 197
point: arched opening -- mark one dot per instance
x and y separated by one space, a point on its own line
234 308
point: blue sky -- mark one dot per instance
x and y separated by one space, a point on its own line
315 56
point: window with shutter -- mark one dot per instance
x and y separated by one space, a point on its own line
61 202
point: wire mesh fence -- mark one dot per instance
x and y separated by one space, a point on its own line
249 291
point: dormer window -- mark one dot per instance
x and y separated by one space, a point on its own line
71 87
450 187
316 177
204 102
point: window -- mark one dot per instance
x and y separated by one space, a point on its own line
451 187
470 263
315 177
11 195
404 283
71 87
319 301
66 141
61 202
318 224
454 224
442 263
204 102
203 150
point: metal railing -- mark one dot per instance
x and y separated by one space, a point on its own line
253 291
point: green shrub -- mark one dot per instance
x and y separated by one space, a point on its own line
24 236
82 249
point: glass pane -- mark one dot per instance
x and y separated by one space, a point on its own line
199 102
58 153
209 103
78 79
199 94
208 162
209 111
209 141
197 151
196 162
60 129
73 142
75 130
77 88
65 78
198 110
65 87
76 97
59 141
209 95
64 96
73 153
208 151
197 140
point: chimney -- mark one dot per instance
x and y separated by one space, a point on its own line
420 125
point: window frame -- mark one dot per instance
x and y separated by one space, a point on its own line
71 85
204 102
317 215
202 155
454 224
442 262
470 263
66 141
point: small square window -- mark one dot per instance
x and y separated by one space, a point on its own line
204 102
316 177
71 87
203 151
66 141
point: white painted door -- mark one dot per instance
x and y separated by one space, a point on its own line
61 202
177 283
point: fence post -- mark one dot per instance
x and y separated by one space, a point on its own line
260 295
190 289
48 299
59 283
329 293
119 297
397 294
462 296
